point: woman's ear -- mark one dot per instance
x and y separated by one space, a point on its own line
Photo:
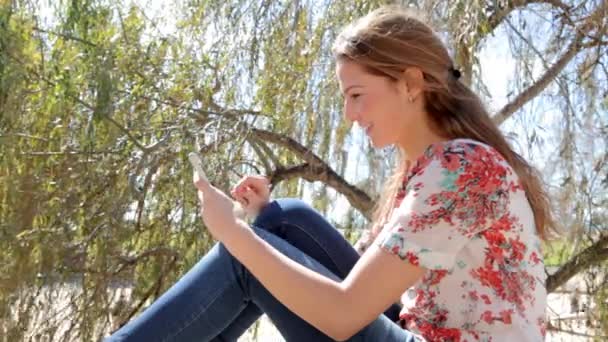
414 81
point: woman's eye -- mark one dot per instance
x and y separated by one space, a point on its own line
355 96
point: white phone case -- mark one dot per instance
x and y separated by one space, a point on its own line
197 164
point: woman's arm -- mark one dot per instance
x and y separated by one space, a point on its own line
338 309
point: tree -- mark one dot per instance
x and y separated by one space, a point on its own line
101 102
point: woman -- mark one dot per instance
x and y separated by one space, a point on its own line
456 236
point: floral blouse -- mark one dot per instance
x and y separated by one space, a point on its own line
462 215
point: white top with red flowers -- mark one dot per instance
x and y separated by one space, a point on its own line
462 215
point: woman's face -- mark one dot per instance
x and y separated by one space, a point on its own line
378 104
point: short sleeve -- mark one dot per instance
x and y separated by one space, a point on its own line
455 191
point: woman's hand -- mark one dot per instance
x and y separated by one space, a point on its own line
217 209
253 193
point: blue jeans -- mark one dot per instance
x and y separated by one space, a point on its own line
219 299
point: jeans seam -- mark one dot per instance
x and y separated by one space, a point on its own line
285 222
193 318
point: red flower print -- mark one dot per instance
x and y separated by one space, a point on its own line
534 258
486 316
503 224
488 277
486 299
514 187
435 276
434 333
412 258
451 163
496 253
517 249
437 150
505 315
542 325
494 237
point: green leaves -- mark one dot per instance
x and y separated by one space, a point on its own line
103 91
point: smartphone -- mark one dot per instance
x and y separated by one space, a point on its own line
197 164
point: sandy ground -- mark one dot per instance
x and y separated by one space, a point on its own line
266 332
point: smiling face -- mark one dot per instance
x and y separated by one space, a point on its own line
376 103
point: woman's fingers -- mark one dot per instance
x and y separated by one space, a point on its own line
245 195
252 192
258 184
245 202
251 201
250 196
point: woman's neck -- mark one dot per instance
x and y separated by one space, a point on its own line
418 137
413 149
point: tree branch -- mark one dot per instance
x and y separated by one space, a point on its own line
592 255
497 17
315 169
126 260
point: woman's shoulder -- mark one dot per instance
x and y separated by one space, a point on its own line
455 153
465 161
461 147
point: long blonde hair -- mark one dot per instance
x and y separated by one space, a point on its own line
388 40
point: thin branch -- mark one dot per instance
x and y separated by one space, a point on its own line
22 135
90 107
552 327
64 36
59 153
529 43
261 154
551 73
497 17
213 146
126 132
154 289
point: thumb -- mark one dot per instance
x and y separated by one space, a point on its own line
201 183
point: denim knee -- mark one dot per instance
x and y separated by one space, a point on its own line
229 260
295 206
278 212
